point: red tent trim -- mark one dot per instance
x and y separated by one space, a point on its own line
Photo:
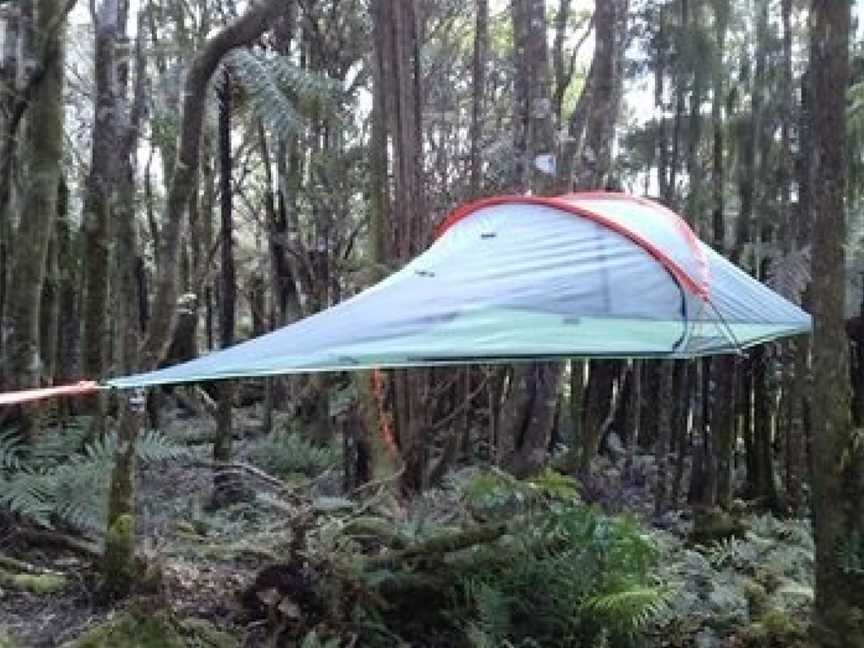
698 286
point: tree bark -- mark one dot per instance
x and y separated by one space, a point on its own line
44 142
224 483
478 80
838 519
120 538
96 218
527 415
119 567
398 61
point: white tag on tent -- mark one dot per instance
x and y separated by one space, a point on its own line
545 163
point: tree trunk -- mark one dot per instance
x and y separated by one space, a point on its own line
120 538
44 143
96 219
838 519
723 406
48 309
225 488
8 74
598 401
119 568
661 445
765 488
68 330
528 412
478 81
577 401
398 75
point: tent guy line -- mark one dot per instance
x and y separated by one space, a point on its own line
515 278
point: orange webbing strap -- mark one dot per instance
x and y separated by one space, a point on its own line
81 388
385 419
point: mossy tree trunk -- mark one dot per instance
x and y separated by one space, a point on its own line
96 217
120 537
49 307
8 74
68 331
838 519
38 206
119 568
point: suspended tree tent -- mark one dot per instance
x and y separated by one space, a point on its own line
518 277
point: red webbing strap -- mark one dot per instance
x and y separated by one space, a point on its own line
82 388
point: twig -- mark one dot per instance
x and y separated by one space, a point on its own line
244 467
379 482
264 476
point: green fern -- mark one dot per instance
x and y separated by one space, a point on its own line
627 612
51 483
570 577
11 450
285 453
493 613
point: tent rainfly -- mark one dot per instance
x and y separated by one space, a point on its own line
519 277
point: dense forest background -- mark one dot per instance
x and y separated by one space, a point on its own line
180 175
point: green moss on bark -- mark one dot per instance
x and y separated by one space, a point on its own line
159 629
119 567
6 640
36 583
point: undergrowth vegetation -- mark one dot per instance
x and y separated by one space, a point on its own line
286 453
484 561
523 563
62 478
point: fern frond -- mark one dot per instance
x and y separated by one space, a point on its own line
275 89
10 450
75 491
628 611
284 453
154 447
493 610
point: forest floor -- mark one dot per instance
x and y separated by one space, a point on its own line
751 589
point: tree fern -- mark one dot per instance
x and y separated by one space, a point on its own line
277 91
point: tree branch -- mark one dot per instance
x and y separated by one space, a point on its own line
244 29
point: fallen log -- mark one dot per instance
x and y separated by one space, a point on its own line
438 546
